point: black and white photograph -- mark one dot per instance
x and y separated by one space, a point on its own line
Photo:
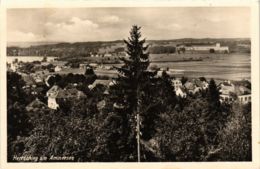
129 84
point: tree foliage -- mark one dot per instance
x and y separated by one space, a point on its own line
235 138
18 122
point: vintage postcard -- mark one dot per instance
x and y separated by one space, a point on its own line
118 85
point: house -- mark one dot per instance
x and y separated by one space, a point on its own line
226 98
83 65
57 68
35 105
205 85
101 104
45 63
29 81
108 67
14 66
178 88
159 73
107 55
122 54
56 93
243 99
71 93
202 84
98 81
192 88
52 93
230 92
189 86
243 94
38 78
94 65
112 83
37 90
245 83
176 83
180 92
226 88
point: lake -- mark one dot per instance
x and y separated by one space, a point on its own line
10 59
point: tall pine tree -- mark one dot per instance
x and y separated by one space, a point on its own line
136 91
215 118
213 96
126 99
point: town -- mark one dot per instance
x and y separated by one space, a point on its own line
53 85
37 73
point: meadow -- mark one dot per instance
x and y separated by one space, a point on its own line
234 66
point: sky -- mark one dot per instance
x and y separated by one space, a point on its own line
107 24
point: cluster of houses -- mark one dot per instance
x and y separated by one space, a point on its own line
35 82
99 55
57 67
55 93
95 66
13 66
229 92
189 87
108 54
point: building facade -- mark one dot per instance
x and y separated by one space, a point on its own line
203 48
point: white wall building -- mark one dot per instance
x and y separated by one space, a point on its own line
180 92
244 98
205 48
52 94
57 69
176 83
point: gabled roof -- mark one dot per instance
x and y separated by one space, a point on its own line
189 85
103 82
29 80
53 91
244 83
226 84
180 89
35 104
70 93
241 90
57 92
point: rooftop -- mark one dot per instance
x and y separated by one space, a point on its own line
35 104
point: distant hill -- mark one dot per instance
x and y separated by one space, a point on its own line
28 44
83 49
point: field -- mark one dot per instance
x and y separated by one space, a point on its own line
179 57
234 66
219 66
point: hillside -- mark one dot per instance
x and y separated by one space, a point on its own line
85 49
